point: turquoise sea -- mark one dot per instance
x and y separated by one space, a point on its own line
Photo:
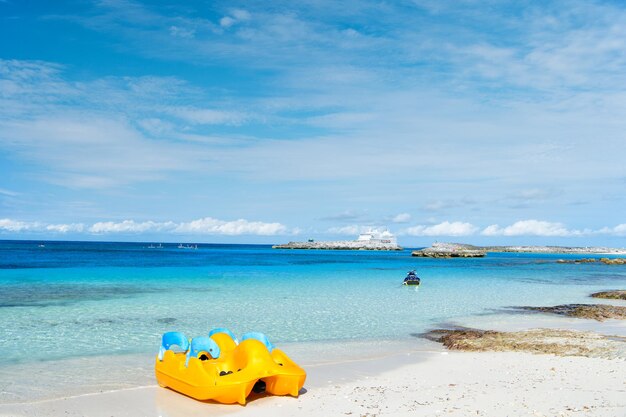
62 300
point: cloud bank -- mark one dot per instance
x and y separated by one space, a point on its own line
533 228
442 229
212 226
204 226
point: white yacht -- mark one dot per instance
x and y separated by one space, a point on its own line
376 236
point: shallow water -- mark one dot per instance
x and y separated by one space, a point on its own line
78 299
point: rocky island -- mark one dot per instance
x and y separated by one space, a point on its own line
450 250
462 250
370 240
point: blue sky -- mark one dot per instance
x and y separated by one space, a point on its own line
474 121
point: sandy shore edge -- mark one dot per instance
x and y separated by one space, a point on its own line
422 383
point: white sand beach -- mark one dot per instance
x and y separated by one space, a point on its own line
416 383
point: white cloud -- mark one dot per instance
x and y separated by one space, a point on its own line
227 21
211 226
442 229
84 151
440 205
436 205
15 226
65 228
8 192
346 230
237 15
401 218
241 15
532 228
155 126
619 230
206 226
182 32
206 116
9 225
130 226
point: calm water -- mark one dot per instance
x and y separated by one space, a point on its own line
73 299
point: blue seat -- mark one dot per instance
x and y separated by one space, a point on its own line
224 330
170 339
260 337
202 344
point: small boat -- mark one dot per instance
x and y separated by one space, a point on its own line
181 246
411 279
223 369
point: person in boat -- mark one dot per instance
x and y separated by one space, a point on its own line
412 277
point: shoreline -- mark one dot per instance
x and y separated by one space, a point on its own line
388 366
130 371
463 250
421 383
344 245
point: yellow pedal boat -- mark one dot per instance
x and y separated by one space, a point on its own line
222 369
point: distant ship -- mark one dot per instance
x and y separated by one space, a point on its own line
375 236
372 239
181 246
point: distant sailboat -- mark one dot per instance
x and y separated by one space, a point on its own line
181 246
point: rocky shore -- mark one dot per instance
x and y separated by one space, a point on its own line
450 250
606 261
340 245
550 341
556 249
462 250
610 295
599 312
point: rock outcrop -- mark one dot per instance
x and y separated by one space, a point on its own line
555 249
606 261
461 250
610 295
450 250
339 245
613 261
576 261
550 341
599 312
